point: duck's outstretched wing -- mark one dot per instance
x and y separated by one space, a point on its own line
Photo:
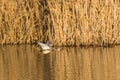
44 46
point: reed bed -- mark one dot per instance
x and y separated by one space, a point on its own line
64 22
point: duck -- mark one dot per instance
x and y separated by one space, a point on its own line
46 47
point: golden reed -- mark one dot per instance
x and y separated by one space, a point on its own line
64 22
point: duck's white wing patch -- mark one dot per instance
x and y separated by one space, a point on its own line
44 46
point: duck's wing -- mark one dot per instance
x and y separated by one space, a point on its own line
44 46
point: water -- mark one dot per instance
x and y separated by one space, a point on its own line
25 62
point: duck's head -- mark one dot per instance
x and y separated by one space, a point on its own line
49 43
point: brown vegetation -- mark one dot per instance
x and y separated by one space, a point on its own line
65 22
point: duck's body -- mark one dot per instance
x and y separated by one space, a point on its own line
44 46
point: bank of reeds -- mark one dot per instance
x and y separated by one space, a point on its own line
64 22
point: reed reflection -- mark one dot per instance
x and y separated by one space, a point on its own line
24 62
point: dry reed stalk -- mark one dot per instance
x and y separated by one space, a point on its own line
65 22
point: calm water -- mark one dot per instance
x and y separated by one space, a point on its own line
25 62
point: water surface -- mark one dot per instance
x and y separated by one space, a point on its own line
26 62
